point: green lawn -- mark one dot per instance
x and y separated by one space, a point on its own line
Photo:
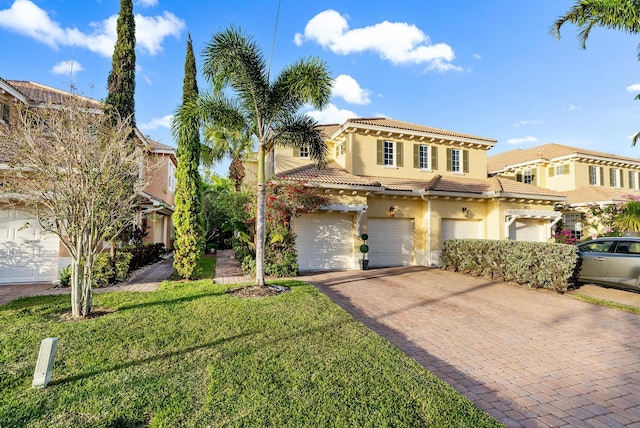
192 355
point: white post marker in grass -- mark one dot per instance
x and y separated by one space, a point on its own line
44 366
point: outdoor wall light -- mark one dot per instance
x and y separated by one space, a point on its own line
392 211
466 212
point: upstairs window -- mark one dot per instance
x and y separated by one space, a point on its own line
304 151
389 153
615 177
633 180
341 149
595 175
559 170
425 157
301 152
458 160
528 176
4 112
387 156
171 179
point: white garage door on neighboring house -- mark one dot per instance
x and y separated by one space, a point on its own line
26 253
527 230
390 242
460 229
324 241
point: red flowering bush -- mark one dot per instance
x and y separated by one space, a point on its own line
285 199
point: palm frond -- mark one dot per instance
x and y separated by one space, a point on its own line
299 131
234 59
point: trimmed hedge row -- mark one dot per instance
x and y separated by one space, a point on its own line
128 259
537 264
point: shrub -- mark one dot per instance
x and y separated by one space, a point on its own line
144 254
65 277
104 273
537 264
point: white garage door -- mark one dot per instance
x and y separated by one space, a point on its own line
26 254
527 230
324 241
460 229
390 242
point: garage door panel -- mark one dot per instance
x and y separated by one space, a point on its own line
26 253
460 229
390 242
324 241
526 230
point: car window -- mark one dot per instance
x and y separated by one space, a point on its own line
595 246
625 247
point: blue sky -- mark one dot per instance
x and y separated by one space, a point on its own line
488 68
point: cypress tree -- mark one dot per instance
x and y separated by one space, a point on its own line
121 83
187 218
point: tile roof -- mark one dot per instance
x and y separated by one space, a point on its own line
333 174
40 93
593 194
391 124
545 152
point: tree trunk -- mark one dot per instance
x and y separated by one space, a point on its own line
87 279
260 217
76 288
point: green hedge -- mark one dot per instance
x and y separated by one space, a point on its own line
104 273
537 264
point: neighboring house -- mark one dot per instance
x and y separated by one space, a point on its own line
409 188
27 254
584 176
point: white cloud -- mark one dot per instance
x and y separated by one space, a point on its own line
152 30
331 114
67 67
477 56
633 88
157 122
147 3
522 140
396 42
573 108
527 122
26 18
346 87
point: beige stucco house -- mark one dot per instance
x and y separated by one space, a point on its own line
409 188
27 254
584 176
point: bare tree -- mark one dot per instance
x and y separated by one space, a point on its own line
78 173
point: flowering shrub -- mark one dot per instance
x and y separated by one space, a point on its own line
613 219
285 199
565 236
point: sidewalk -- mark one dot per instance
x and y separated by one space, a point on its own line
228 269
145 279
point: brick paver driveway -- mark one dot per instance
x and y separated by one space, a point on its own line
527 357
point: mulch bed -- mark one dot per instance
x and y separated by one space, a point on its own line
258 291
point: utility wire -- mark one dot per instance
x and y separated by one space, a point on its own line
273 42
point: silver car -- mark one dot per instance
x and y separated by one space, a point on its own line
610 261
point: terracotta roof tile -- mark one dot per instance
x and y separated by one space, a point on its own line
516 187
412 127
332 173
546 152
45 94
587 194
335 175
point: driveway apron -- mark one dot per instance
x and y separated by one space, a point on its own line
529 358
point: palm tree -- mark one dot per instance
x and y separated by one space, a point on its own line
269 110
235 143
622 15
628 218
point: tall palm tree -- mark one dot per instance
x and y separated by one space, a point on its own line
234 142
622 15
270 109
